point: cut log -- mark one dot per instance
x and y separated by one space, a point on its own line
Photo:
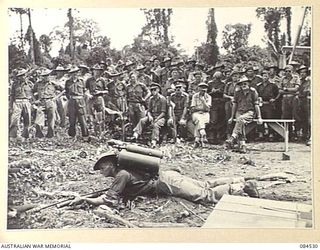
104 213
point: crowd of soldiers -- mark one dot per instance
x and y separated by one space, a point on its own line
181 100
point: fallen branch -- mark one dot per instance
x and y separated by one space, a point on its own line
190 211
107 214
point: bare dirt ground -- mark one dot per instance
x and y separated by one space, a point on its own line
55 168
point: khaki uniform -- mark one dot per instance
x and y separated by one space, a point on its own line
21 94
75 90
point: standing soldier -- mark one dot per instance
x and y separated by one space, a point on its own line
165 72
156 69
289 86
254 80
268 92
97 89
75 90
305 103
128 68
245 107
21 94
274 78
200 108
175 76
180 102
217 111
157 108
45 91
137 94
60 80
188 74
142 77
228 94
84 72
193 85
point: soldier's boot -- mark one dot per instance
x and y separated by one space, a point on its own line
242 147
39 133
229 144
50 133
153 144
13 132
308 143
196 142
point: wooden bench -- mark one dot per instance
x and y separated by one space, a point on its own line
281 126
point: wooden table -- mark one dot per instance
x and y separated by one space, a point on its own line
245 212
281 126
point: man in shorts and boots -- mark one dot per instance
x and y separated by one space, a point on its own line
245 107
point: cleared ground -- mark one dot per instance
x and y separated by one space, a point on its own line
61 166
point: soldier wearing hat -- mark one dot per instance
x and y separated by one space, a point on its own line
289 85
254 79
156 114
156 69
60 79
274 78
217 125
20 96
245 108
228 94
304 109
137 94
174 76
193 85
84 72
268 92
45 91
129 183
142 76
180 102
189 68
165 72
120 66
75 91
97 87
200 110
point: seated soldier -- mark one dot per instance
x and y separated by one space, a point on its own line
200 107
245 106
180 101
157 108
130 184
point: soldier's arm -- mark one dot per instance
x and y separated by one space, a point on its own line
146 92
185 108
234 106
294 89
256 105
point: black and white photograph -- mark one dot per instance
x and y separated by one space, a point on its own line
159 118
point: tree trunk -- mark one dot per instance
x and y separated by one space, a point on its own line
32 57
288 18
21 33
71 33
165 27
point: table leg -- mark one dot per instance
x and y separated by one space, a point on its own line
286 136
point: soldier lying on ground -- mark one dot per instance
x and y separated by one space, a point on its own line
129 183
